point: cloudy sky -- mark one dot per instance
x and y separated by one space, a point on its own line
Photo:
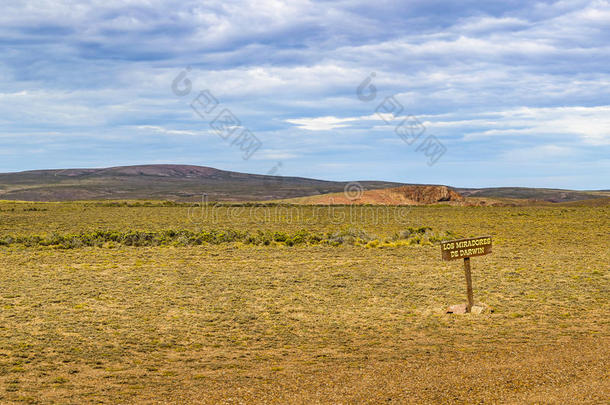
515 93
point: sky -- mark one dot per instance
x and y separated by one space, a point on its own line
468 94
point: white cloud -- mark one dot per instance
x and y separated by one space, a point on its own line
321 123
165 131
538 153
506 73
590 124
490 24
271 154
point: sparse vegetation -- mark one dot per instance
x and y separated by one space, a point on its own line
294 310
412 236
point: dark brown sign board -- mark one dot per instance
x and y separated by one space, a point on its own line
465 249
461 248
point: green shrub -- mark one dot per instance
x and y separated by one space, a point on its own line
136 238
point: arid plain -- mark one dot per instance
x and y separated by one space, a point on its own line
159 302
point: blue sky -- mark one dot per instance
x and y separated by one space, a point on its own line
517 93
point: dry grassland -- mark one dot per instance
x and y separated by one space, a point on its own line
234 323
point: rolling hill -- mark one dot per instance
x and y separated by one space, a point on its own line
188 183
543 194
169 182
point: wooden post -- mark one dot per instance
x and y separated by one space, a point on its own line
465 249
468 284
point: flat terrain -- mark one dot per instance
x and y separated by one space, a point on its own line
311 323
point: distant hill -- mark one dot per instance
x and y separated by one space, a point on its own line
542 194
167 182
188 183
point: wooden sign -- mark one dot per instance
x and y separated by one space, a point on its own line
464 249
461 248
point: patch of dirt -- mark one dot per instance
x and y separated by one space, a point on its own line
403 195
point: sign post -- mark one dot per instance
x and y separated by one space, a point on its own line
465 249
468 284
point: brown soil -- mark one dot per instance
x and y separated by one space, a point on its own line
404 195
